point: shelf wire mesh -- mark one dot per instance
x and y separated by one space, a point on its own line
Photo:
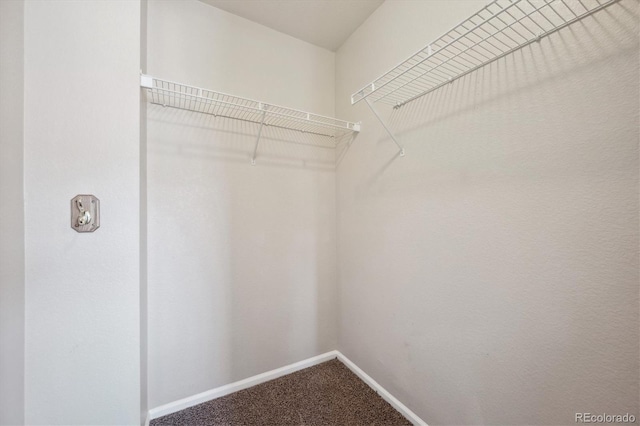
190 98
496 30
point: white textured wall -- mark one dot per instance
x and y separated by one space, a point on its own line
82 124
491 275
11 213
241 258
144 314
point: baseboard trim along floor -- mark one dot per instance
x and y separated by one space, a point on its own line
218 392
392 400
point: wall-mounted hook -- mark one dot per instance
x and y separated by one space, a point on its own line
85 213
84 217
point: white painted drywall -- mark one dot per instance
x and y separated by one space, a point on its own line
241 259
11 213
82 124
491 275
144 314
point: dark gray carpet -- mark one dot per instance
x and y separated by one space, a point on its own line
325 394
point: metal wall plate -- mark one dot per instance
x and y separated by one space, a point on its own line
85 213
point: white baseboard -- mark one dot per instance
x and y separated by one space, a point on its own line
181 404
392 400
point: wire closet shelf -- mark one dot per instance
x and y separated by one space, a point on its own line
205 101
496 30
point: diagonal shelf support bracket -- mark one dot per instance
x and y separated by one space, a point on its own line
255 149
385 126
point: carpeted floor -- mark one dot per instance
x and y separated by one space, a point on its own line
326 394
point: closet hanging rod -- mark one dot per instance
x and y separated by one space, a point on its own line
190 98
496 30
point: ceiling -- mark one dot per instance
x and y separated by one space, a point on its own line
325 23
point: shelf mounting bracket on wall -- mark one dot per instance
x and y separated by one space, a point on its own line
385 127
255 148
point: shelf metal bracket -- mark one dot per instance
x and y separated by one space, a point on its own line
385 126
255 149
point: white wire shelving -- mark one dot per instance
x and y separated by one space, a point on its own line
205 101
496 30
499 28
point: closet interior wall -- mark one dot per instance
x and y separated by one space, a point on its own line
241 258
82 136
11 212
144 280
490 276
